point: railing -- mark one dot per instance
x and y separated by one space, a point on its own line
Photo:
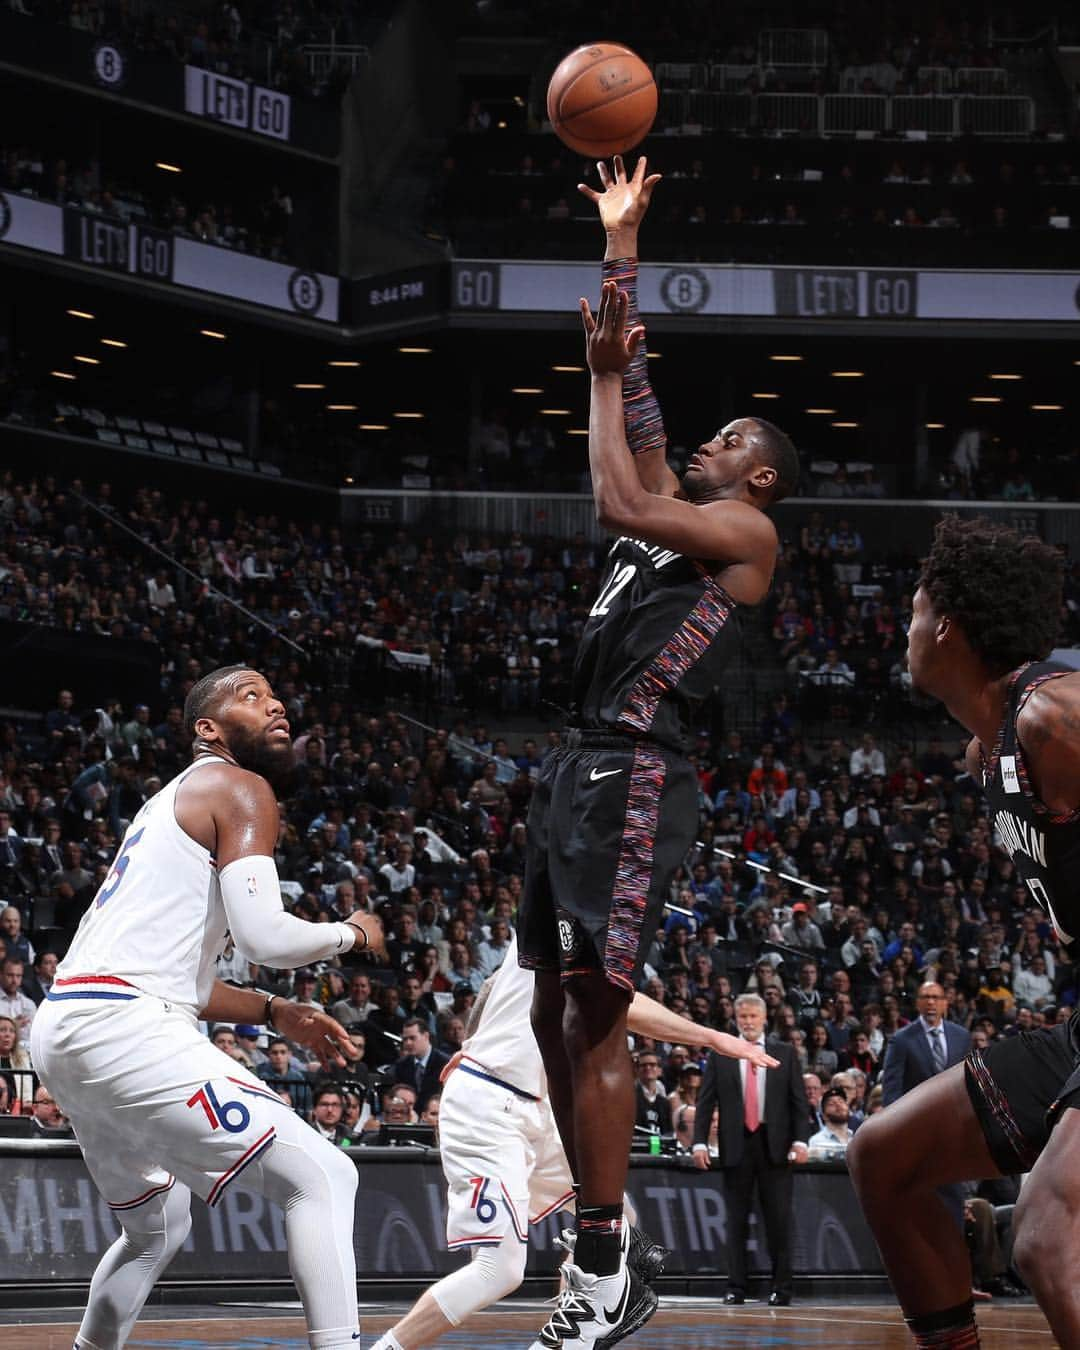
962 79
795 48
697 110
322 59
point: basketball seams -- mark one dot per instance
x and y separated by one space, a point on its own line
614 50
593 107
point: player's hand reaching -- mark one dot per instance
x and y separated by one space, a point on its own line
736 1047
624 201
324 1036
609 348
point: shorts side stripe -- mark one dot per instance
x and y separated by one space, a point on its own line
146 1195
633 874
259 1146
522 1237
998 1106
561 1203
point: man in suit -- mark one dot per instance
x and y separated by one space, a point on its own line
420 1064
926 1047
764 1126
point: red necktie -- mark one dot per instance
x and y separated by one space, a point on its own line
751 1114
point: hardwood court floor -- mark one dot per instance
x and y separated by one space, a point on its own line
681 1324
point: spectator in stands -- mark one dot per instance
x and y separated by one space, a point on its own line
420 1063
15 1063
653 1111
832 1139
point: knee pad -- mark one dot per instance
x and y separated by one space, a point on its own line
492 1274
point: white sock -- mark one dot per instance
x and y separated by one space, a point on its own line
388 1341
341 1338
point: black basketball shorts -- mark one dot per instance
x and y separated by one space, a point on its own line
610 821
1019 1086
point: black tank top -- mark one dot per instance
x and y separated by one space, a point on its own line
656 640
1044 847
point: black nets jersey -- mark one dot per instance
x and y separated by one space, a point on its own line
1044 847
656 640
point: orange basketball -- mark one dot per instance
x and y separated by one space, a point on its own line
601 100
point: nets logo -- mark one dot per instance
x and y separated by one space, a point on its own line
685 290
5 215
108 64
305 292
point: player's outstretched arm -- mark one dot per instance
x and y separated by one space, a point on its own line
621 205
646 1017
728 532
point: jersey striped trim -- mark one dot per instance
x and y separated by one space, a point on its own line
91 986
508 1204
455 1244
146 1195
258 1147
633 874
561 1203
499 1082
685 648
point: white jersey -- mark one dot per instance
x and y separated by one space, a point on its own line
503 1042
158 922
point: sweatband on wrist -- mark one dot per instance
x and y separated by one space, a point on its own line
642 418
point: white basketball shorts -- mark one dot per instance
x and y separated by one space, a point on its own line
503 1160
151 1099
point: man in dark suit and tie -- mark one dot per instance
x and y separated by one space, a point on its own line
926 1047
764 1126
420 1064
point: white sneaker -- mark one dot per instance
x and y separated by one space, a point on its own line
593 1312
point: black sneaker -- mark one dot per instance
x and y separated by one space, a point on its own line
645 1256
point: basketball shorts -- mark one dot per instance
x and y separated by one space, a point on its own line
152 1100
504 1164
610 821
1019 1086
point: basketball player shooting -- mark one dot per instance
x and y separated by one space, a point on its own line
159 1111
986 613
504 1165
615 810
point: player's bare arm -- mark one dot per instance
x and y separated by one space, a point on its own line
646 1017
300 1023
622 205
1049 731
735 536
233 813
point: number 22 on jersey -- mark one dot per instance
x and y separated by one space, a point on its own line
618 581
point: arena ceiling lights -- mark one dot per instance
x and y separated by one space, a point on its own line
82 314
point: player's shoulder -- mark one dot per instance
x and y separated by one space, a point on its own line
1050 716
223 783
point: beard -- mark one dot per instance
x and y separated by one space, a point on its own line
273 760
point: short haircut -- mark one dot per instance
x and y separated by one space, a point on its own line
781 455
204 696
279 1040
750 1001
417 1022
327 1090
1003 589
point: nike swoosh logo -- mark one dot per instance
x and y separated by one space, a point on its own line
595 777
620 1307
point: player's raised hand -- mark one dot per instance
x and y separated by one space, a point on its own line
623 202
609 348
324 1036
735 1047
